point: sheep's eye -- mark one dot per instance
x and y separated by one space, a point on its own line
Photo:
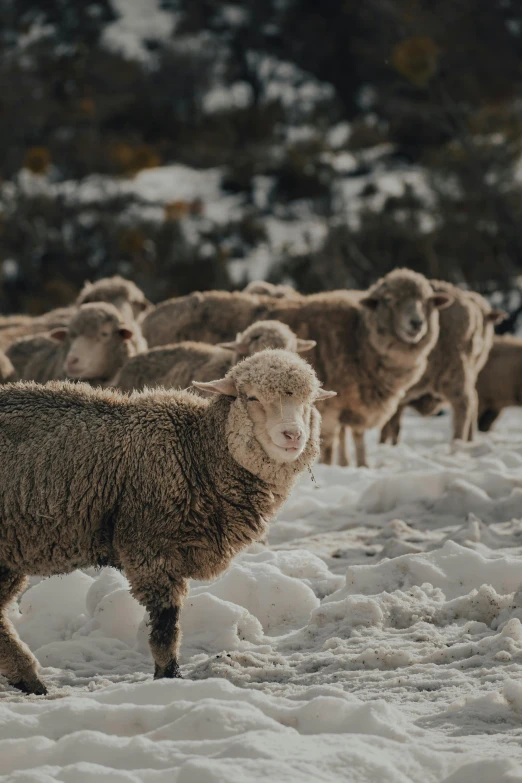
106 334
252 399
289 394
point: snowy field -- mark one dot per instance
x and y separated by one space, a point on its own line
377 640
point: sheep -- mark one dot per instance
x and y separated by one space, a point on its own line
178 365
499 384
94 347
466 336
371 346
123 294
269 289
164 485
15 327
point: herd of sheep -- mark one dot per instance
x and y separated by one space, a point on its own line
134 470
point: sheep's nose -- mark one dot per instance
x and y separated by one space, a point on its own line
293 435
416 324
72 361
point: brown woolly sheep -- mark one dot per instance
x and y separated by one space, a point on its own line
176 366
499 384
14 327
371 347
466 337
94 347
122 293
96 461
269 289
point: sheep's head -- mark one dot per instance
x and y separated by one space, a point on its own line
267 334
123 294
269 289
99 342
275 392
403 306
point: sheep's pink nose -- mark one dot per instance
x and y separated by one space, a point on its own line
293 435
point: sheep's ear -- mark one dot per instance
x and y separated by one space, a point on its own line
371 302
322 394
145 304
224 386
239 348
496 316
126 334
305 345
441 301
60 335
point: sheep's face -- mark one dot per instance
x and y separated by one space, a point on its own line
410 319
281 422
98 342
275 393
403 308
267 334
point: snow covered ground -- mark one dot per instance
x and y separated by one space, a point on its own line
377 640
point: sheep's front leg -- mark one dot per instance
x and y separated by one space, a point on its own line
473 420
16 661
165 641
163 597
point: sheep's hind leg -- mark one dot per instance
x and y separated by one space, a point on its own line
342 453
463 404
360 448
391 430
17 663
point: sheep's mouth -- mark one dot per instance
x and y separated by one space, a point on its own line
289 453
410 337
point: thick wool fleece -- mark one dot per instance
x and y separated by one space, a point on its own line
161 484
358 353
466 337
14 327
269 289
123 294
42 359
176 366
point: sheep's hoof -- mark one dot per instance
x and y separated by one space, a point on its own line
35 686
170 672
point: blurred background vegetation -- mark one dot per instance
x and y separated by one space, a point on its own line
192 144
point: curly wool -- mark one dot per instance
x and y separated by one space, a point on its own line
114 290
176 366
42 359
454 364
165 485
